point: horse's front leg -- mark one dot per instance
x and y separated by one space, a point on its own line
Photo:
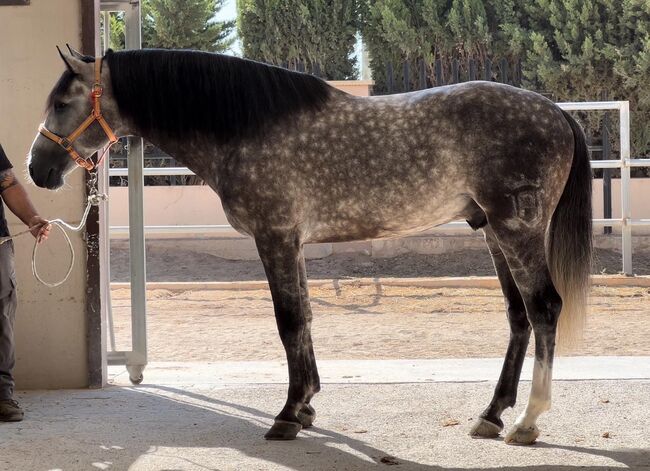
283 261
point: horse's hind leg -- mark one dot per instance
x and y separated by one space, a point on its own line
489 423
524 249
283 261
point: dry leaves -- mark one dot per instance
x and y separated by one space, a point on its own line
450 422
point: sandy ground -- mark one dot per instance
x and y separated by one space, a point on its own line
367 322
359 427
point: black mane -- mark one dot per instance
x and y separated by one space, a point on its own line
186 92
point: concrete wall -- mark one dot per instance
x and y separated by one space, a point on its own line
354 87
51 328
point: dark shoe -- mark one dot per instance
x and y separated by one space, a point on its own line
10 411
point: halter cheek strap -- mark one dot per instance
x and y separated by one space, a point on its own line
96 115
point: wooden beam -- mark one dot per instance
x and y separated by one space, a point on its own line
95 328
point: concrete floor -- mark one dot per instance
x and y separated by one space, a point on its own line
188 422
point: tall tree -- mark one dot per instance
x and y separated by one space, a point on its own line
581 50
409 30
317 35
185 24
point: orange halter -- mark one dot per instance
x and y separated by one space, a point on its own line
96 115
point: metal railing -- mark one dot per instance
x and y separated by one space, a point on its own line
624 163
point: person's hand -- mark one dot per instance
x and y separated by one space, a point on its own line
40 228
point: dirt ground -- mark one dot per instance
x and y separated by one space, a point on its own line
367 322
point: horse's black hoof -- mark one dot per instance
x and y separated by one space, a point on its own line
483 428
283 430
306 416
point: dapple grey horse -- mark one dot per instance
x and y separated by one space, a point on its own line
296 161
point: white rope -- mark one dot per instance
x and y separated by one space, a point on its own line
94 199
62 226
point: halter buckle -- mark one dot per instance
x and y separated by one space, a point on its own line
65 143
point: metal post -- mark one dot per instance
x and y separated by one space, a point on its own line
103 184
138 359
438 71
422 67
488 70
626 212
406 76
472 70
607 175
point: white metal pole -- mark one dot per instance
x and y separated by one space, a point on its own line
626 212
138 359
104 229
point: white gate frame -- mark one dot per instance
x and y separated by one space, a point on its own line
136 358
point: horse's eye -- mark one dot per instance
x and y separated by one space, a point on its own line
59 105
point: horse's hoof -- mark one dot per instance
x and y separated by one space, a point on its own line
522 436
283 430
485 429
306 415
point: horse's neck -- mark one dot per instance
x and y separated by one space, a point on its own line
200 155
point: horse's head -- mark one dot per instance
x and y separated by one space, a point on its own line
80 113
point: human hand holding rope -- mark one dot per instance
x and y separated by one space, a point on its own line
40 228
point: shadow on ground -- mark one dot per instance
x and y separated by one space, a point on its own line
166 428
184 264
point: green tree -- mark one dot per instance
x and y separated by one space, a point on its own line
117 39
185 24
410 30
582 50
318 35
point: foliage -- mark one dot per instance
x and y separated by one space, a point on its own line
586 50
185 24
399 30
572 50
317 35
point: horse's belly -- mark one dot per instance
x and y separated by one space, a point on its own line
387 222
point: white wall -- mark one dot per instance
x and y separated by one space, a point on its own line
51 328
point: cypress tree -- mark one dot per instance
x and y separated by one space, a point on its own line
311 35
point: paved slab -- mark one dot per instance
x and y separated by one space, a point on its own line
360 426
213 417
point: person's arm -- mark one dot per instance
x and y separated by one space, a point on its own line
17 200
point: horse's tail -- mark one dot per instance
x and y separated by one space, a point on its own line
569 242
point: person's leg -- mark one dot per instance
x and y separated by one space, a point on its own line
9 409
7 348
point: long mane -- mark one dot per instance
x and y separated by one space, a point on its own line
181 93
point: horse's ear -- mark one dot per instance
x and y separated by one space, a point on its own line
73 64
65 59
74 53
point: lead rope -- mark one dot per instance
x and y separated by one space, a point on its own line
94 199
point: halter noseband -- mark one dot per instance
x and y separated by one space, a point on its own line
95 115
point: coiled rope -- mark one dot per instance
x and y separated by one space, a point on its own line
94 199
